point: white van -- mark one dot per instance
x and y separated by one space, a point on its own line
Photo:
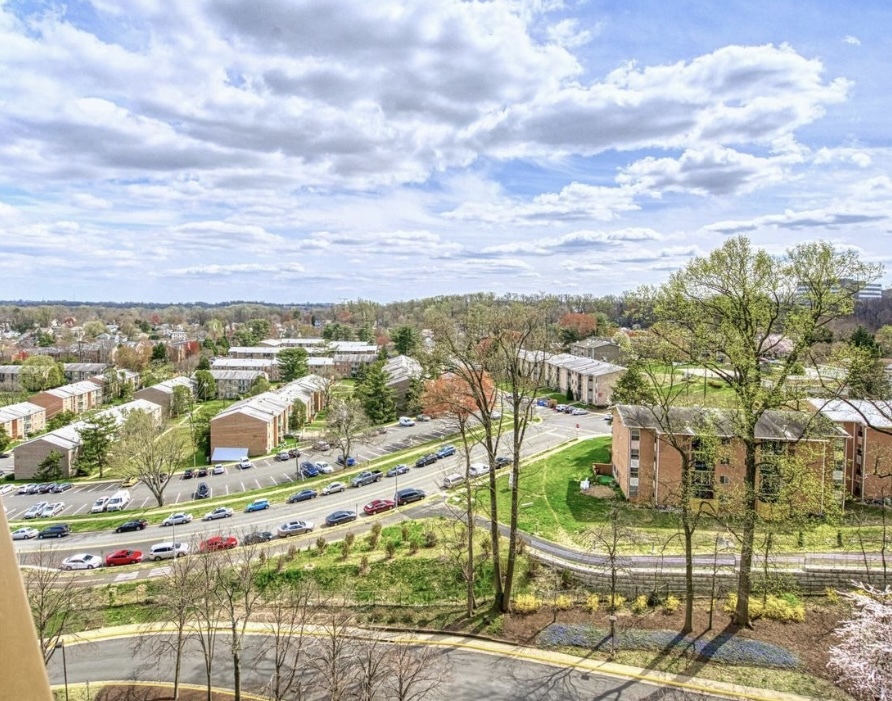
453 480
168 551
99 505
119 501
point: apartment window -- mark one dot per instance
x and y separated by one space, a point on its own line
634 453
769 483
724 479
703 477
633 481
635 434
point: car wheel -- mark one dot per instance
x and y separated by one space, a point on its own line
91 567
157 558
67 568
180 554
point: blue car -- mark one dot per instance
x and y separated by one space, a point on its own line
308 469
340 517
349 461
302 495
257 505
445 451
397 470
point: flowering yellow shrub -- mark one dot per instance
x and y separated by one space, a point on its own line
527 603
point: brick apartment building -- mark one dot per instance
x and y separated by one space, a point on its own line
22 419
78 397
162 393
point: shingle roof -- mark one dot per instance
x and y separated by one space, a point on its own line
860 411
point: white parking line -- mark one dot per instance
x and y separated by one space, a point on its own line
79 509
160 571
177 500
257 482
144 502
289 478
227 490
124 576
243 486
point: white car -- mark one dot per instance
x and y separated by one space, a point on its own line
24 489
245 464
52 509
7 489
35 510
324 468
218 470
25 533
167 551
99 505
294 528
220 512
81 561
478 468
334 488
177 520
578 412
406 421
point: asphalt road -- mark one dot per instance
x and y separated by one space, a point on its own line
470 675
551 431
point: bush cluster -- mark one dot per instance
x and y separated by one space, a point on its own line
527 603
724 648
616 602
671 604
639 606
787 608
563 602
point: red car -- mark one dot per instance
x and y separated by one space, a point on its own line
218 542
378 505
123 557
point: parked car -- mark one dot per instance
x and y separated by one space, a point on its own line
81 561
376 506
453 480
201 472
346 461
203 491
188 474
308 469
123 557
45 487
99 505
475 469
178 519
217 542
219 512
294 453
321 446
294 528
25 533
445 451
324 467
50 510
400 469
168 551
6 488
59 531
428 459
502 461
245 464
579 412
366 478
422 417
283 456
560 407
255 537
135 525
333 488
32 488
35 510
218 470
406 421
408 495
339 517
257 505
62 487
24 488
303 495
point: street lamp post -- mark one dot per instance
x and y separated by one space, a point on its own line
61 646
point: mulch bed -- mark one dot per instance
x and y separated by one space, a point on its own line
140 692
808 641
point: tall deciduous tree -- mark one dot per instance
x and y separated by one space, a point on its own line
147 452
205 385
96 442
729 310
40 372
376 396
292 363
5 440
344 423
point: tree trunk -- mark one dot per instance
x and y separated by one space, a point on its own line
469 515
744 576
177 664
237 675
494 537
688 574
512 536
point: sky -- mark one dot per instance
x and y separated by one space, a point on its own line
327 150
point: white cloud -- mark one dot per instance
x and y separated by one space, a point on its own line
855 41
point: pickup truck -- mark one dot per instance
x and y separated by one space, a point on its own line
364 478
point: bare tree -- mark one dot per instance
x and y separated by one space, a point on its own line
334 655
57 601
238 596
206 611
147 452
344 423
416 672
371 670
288 609
175 604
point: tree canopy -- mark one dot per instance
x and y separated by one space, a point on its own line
292 363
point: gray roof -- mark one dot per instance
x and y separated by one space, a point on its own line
877 414
18 411
402 367
75 389
692 421
236 374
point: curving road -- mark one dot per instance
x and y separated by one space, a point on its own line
471 674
